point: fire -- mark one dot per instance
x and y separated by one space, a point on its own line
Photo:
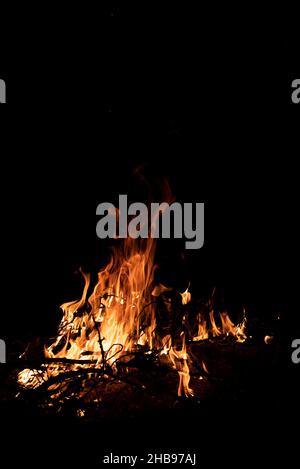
179 359
118 315
30 378
202 329
186 296
229 328
119 320
209 328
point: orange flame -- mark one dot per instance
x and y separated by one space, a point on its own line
117 316
202 333
228 327
186 296
179 359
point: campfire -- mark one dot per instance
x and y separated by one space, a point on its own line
124 327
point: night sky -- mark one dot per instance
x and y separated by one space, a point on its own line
201 97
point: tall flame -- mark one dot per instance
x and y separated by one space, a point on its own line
118 314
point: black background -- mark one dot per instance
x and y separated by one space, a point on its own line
201 97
